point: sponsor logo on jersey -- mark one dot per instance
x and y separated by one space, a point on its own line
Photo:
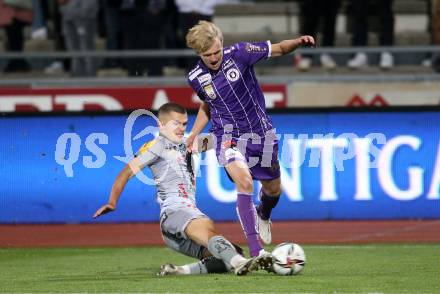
232 74
251 48
205 79
209 90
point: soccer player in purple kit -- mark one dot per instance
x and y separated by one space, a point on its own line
246 144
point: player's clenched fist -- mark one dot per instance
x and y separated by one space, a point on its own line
305 41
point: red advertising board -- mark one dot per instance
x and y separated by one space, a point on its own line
112 98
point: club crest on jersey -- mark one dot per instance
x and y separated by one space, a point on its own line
232 74
209 90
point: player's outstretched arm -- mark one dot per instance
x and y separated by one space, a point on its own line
287 46
202 120
118 187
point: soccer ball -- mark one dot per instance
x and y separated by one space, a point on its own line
289 259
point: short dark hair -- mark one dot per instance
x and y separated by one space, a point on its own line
171 107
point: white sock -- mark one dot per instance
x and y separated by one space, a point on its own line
237 260
195 268
183 269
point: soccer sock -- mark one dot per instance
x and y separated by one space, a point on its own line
215 266
267 203
246 214
195 268
208 265
224 250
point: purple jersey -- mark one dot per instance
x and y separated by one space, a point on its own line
233 93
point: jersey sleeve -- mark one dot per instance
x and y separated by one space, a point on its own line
251 52
198 90
194 84
150 152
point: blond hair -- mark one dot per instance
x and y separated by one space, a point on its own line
202 36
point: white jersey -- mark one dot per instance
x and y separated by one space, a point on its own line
172 171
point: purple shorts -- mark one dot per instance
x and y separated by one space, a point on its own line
262 158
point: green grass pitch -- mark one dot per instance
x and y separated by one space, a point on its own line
329 269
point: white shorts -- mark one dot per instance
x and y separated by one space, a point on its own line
173 222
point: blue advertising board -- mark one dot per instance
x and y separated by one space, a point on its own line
334 165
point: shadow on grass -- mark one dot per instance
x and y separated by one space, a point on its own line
137 274
114 275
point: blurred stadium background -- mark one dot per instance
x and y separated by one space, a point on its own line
361 148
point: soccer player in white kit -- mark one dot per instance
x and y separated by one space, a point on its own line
184 227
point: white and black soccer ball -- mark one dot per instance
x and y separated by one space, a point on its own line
290 259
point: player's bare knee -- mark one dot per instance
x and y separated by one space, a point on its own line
245 185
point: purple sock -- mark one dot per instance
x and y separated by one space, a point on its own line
246 214
267 203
